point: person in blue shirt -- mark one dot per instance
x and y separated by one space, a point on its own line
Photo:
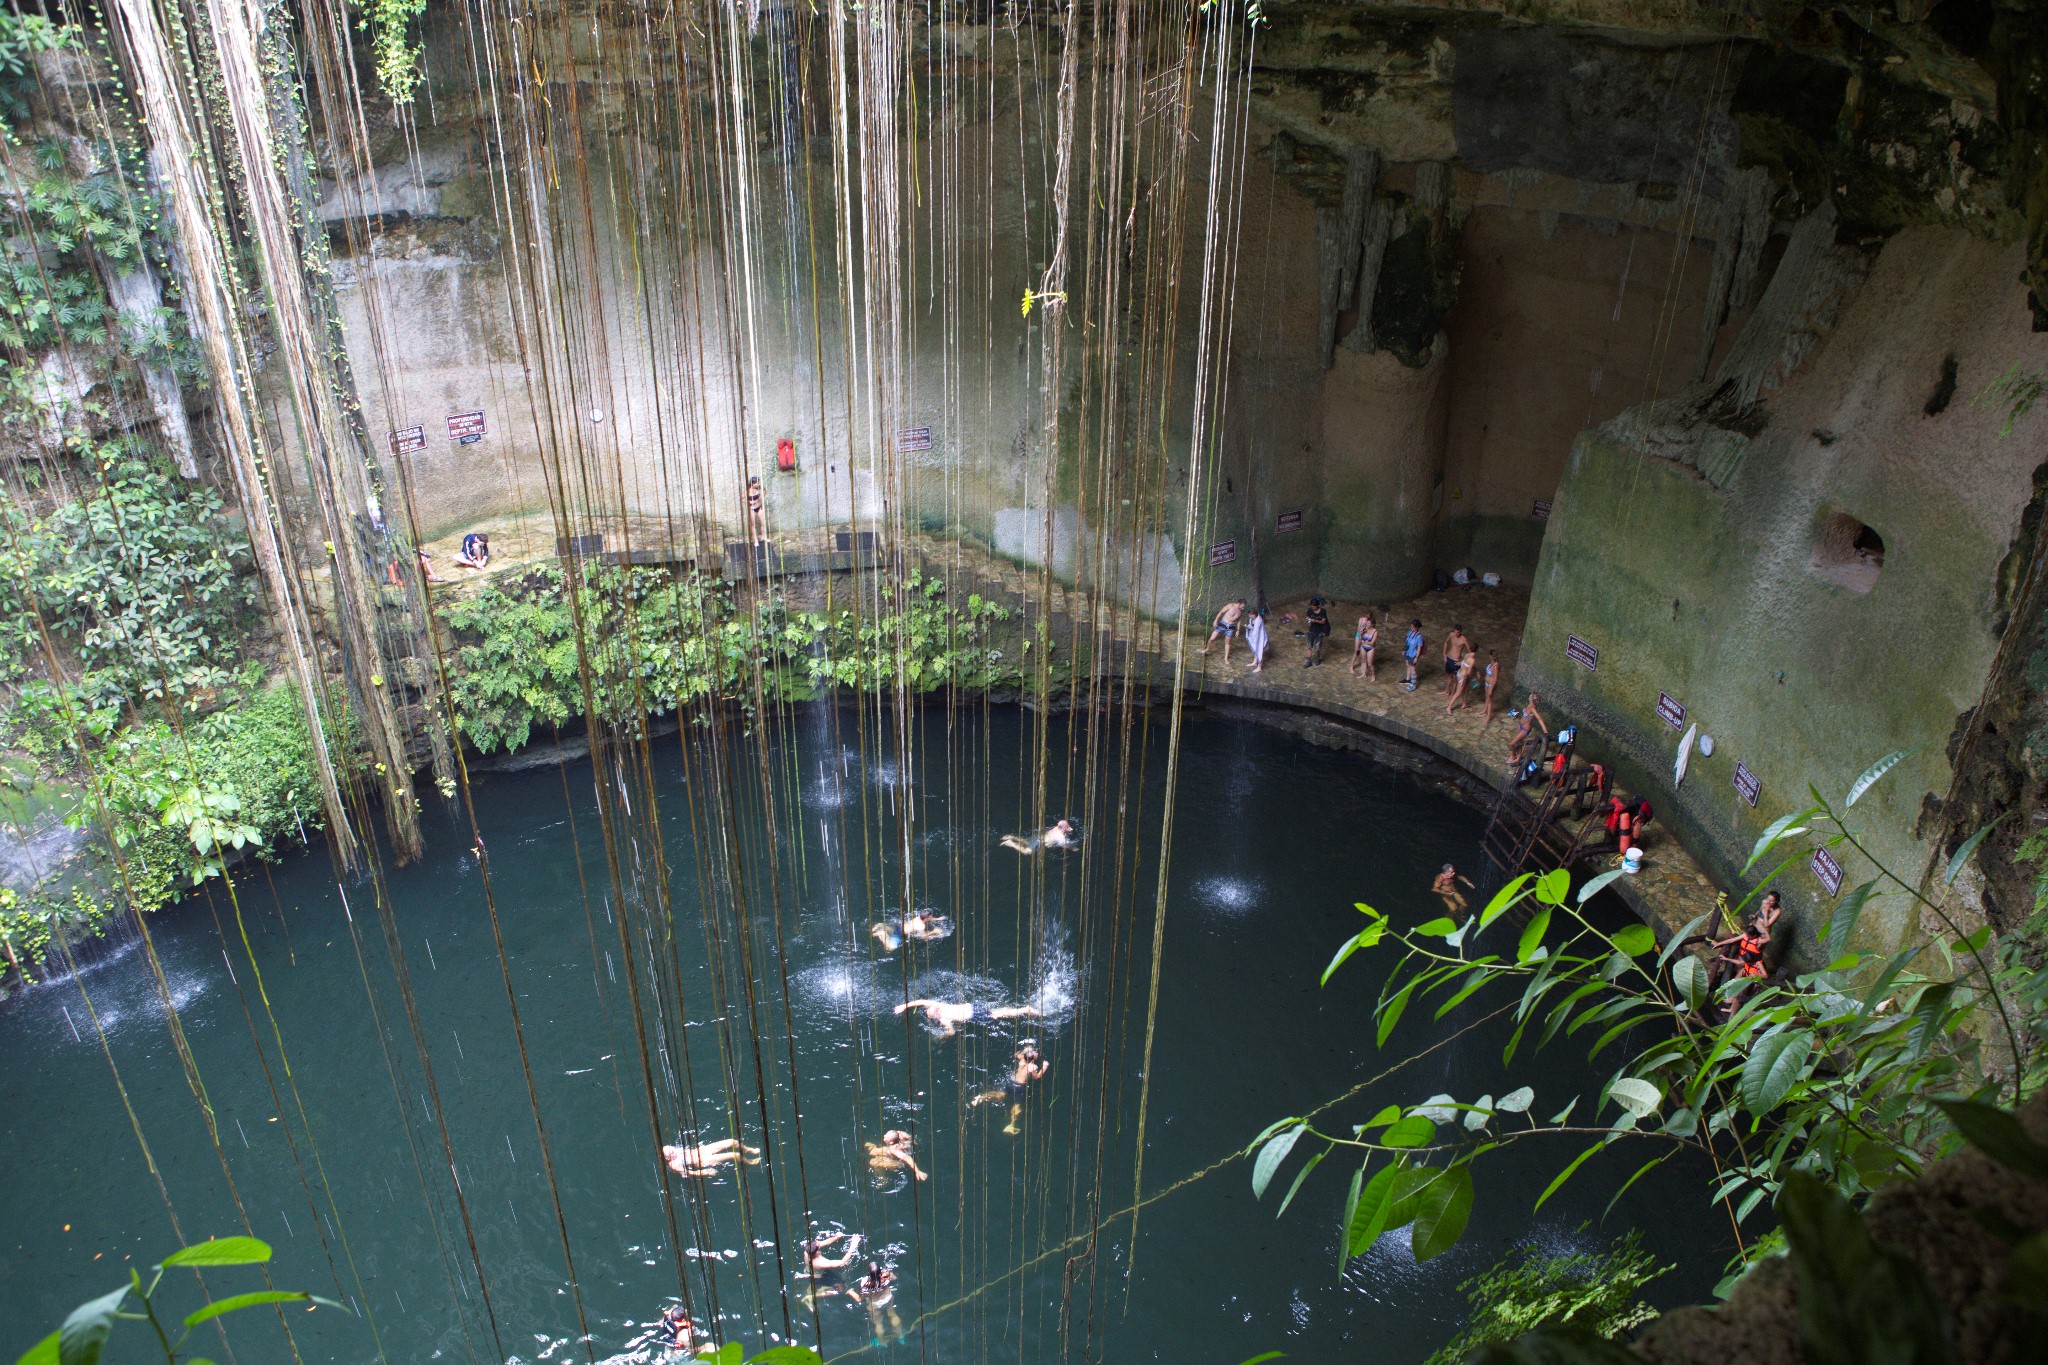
476 551
1412 652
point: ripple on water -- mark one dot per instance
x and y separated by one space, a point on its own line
1229 897
843 988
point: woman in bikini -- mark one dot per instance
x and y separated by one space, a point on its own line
1364 643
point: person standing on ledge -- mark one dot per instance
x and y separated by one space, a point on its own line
1030 1066
1461 685
1531 733
1411 651
1257 640
1492 681
1456 647
1318 631
1363 645
1225 625
757 516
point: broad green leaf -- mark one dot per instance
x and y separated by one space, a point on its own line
1270 1129
43 1352
1300 1177
1381 1119
1412 1131
1255 1360
1931 1016
1998 1135
84 1334
1639 1097
1553 886
1364 938
1503 900
1682 1123
1561 1115
1969 846
222 1251
1437 1109
785 1355
240 1301
1480 1114
1351 1204
1532 935
1872 773
1436 928
1784 827
1391 1015
1690 980
1516 1101
1271 1155
1598 884
1635 940
1366 1217
1566 1173
1444 1206
1774 1065
1677 940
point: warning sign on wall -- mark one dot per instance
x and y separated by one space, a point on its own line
1748 785
1288 521
1222 552
466 428
1581 653
407 440
1672 710
1828 870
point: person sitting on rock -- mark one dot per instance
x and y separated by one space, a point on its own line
475 552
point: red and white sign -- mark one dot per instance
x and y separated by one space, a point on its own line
408 439
1748 785
1581 653
1672 710
1222 552
467 428
1288 521
1828 870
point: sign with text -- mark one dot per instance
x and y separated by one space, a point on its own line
1828 870
1672 710
1222 552
406 441
1289 521
1540 509
466 427
1581 653
1748 785
914 438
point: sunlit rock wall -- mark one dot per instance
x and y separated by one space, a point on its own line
1744 600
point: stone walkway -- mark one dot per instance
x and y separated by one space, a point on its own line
1670 890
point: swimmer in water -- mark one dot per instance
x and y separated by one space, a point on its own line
827 1275
926 926
893 1153
680 1328
1030 1065
1446 885
1060 834
950 1015
877 1293
705 1158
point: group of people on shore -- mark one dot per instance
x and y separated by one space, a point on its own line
1464 673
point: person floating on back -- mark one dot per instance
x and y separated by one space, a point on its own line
1060 834
949 1015
1225 626
705 1158
1029 1066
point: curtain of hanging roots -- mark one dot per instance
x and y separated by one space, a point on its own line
739 200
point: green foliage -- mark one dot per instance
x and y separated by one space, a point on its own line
398 54
1839 1074
28 928
82 1339
1598 1292
2014 394
140 576
23 37
656 643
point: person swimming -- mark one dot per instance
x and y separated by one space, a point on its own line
1060 834
1029 1065
828 1277
949 1015
679 1328
926 926
704 1158
893 1153
877 1293
1446 885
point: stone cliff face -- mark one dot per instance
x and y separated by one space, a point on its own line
1643 304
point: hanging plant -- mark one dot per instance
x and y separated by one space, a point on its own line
399 57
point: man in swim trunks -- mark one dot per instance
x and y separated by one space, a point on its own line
1225 625
949 1015
893 1153
1030 1065
926 926
706 1157
680 1328
1456 646
1060 834
827 1275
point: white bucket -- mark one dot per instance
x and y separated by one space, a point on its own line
1632 861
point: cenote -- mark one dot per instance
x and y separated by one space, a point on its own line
1274 841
